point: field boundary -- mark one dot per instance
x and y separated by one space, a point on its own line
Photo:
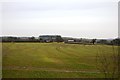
46 69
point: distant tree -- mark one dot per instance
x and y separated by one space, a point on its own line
59 39
80 39
11 39
32 38
93 41
116 41
41 40
103 41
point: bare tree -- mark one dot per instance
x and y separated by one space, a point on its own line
108 63
93 41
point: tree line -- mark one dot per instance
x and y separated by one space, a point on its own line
115 41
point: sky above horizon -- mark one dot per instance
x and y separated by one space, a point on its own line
72 18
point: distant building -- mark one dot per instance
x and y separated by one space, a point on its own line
71 40
50 38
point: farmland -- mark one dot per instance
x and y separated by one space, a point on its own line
51 60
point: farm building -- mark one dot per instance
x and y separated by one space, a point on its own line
50 38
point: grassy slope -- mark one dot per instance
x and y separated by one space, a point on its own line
50 60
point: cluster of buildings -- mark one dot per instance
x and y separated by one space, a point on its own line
50 38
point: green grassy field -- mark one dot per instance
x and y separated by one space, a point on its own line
51 60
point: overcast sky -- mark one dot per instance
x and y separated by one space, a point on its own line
73 18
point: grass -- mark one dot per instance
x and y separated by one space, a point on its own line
51 60
47 74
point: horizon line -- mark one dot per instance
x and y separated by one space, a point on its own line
55 34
